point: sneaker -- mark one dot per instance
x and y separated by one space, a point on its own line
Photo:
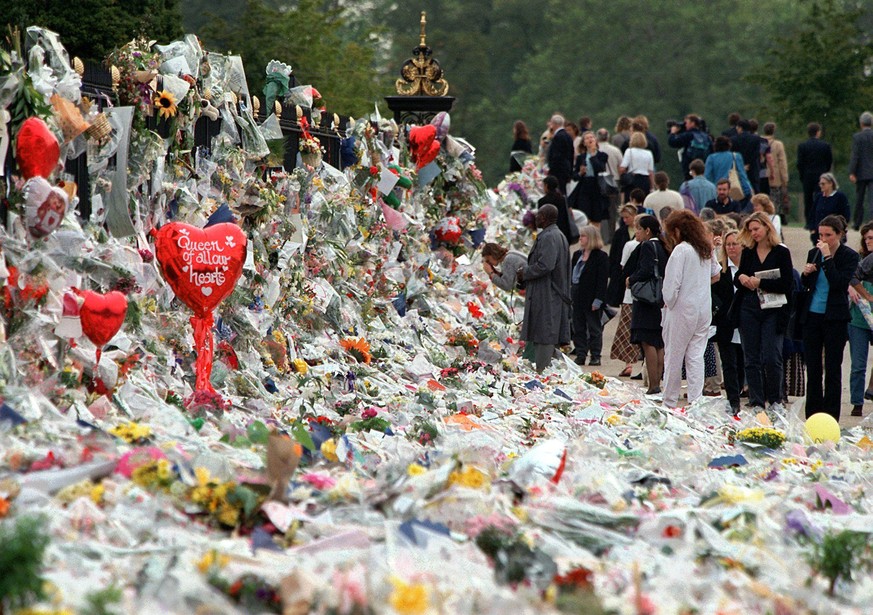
580 360
777 407
857 411
594 362
711 393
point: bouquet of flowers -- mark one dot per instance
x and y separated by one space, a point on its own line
765 436
310 144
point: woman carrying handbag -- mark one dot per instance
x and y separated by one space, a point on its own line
651 259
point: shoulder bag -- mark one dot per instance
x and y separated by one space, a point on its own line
736 189
649 291
626 179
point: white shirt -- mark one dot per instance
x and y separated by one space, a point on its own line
614 155
638 161
686 290
625 254
733 271
659 199
777 223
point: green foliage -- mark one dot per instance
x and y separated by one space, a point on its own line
325 48
819 70
22 547
91 29
101 602
838 555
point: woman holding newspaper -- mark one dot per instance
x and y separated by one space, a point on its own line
763 282
826 275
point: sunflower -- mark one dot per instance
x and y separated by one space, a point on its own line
358 348
166 104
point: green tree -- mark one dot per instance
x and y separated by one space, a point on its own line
317 43
479 44
90 29
820 70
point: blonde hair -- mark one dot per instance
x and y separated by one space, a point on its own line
745 237
723 257
638 139
764 201
629 209
595 241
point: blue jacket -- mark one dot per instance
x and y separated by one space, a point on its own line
718 164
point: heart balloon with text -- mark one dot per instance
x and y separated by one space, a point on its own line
202 266
101 315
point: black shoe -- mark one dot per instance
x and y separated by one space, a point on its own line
594 362
637 377
580 360
868 395
744 393
857 411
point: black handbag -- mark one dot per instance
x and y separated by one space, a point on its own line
649 291
606 183
626 179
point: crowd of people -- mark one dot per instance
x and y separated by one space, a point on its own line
701 281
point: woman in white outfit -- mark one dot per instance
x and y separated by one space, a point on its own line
687 304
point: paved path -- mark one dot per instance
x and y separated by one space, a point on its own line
797 240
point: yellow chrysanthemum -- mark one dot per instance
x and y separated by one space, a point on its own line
328 449
165 102
469 477
415 470
210 559
409 598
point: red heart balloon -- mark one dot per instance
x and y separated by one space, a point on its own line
423 148
101 315
36 149
201 265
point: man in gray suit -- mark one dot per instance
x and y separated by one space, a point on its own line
861 166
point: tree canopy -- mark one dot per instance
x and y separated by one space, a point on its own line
795 62
90 29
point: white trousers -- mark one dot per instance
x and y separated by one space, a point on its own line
684 340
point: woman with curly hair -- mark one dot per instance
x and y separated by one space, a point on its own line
687 302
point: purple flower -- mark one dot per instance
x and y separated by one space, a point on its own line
797 522
529 219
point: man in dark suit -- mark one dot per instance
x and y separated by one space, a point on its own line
814 157
861 166
560 156
748 145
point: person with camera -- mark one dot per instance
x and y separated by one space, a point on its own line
690 137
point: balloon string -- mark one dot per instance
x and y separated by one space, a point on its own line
99 354
203 345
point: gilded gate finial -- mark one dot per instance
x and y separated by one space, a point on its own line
421 75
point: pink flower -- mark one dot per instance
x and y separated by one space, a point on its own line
349 584
369 413
322 482
137 457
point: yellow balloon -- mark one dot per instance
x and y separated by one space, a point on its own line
822 426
